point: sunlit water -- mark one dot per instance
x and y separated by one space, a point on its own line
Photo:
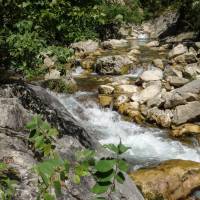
148 145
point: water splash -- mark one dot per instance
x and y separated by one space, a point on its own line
147 144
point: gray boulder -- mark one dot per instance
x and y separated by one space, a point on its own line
187 113
113 65
88 46
177 81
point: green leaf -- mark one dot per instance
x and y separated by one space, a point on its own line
57 187
105 165
106 176
101 187
3 166
122 148
81 170
76 179
111 147
123 165
53 132
120 177
47 196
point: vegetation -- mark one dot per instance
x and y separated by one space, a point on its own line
31 27
53 171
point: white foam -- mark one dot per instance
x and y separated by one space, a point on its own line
146 143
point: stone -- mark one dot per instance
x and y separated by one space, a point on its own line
185 130
171 71
158 63
119 82
152 75
177 81
12 114
161 117
105 101
128 106
126 89
113 65
178 50
192 70
134 52
114 43
190 57
53 74
173 179
88 46
87 64
147 94
153 44
120 100
48 62
185 36
197 44
105 89
186 113
182 95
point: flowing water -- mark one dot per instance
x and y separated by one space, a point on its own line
148 145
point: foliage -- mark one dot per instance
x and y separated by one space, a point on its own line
61 86
28 27
7 185
54 171
109 171
42 136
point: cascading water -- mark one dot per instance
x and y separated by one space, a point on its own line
148 145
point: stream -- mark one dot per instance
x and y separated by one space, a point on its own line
148 145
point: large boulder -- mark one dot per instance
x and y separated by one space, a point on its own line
152 75
147 94
161 117
161 26
88 46
174 179
12 114
106 89
177 81
178 50
113 43
113 65
126 89
187 113
192 70
185 130
182 95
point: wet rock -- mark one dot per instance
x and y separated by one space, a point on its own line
192 70
12 114
53 74
177 81
185 36
182 95
153 44
147 94
177 50
158 63
120 100
186 113
186 129
174 179
113 65
126 89
85 46
161 117
134 52
105 101
161 26
105 89
15 152
113 43
87 64
197 44
152 75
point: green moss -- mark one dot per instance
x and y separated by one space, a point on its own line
60 86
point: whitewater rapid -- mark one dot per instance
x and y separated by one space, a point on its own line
148 145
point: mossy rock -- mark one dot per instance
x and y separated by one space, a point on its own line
61 85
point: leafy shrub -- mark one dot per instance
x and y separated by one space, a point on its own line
7 185
54 171
41 136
